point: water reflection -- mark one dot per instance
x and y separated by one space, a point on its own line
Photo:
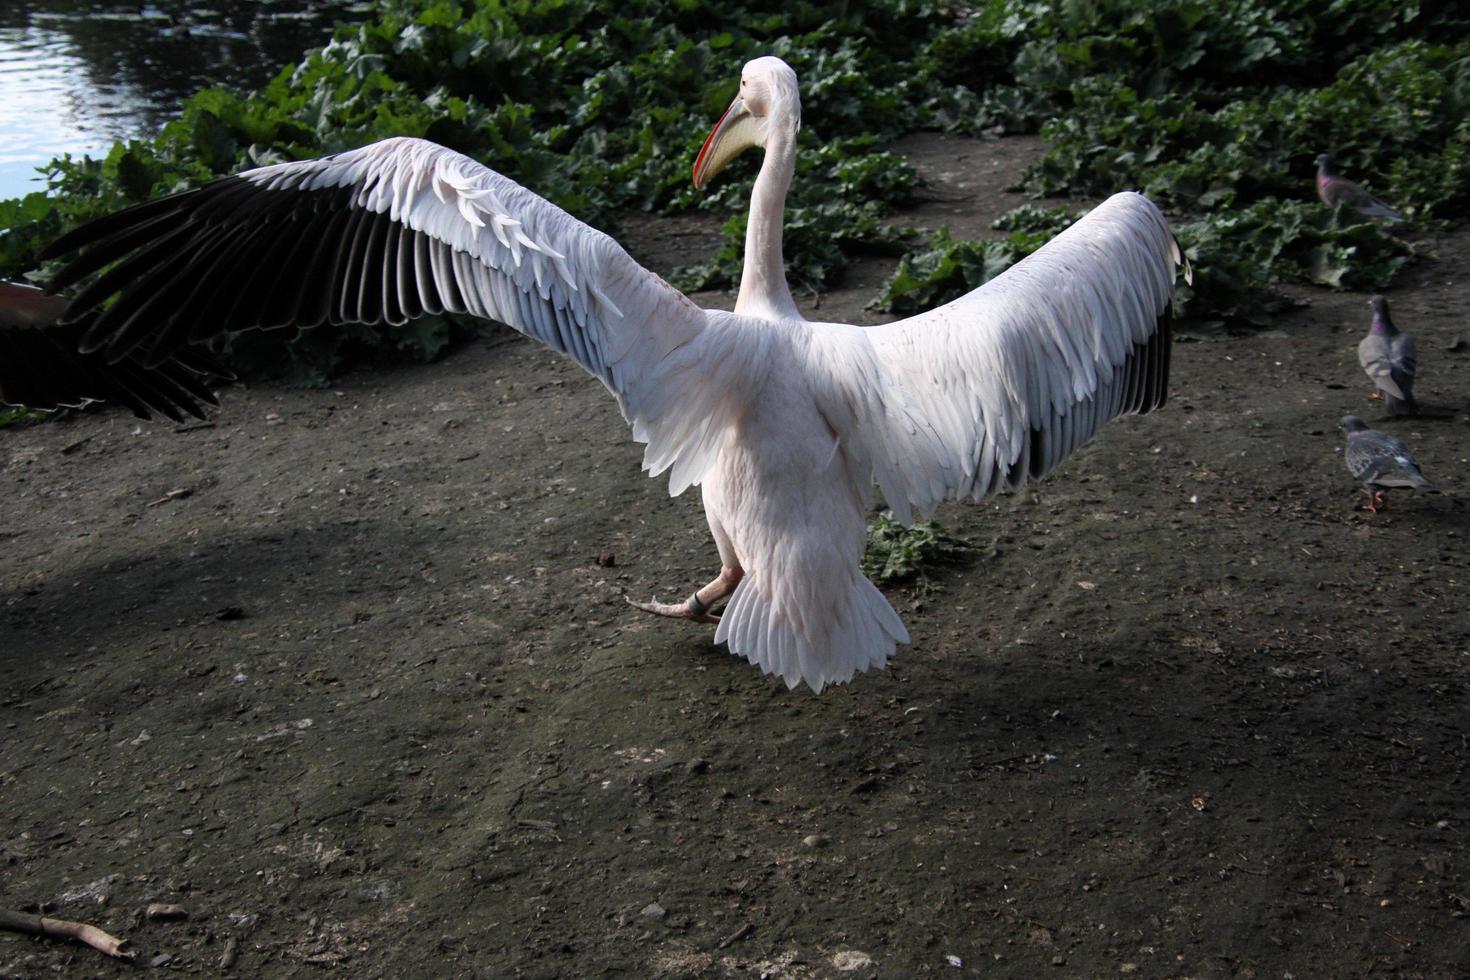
75 75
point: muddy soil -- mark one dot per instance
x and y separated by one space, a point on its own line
349 675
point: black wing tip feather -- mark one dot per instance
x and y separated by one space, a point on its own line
41 368
231 255
1159 355
109 224
1145 380
237 254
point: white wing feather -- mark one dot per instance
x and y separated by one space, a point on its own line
1019 372
877 425
552 277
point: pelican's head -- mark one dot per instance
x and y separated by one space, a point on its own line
767 98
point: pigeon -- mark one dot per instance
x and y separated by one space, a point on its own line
1335 190
1387 355
1380 461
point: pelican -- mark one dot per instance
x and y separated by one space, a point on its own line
41 368
785 424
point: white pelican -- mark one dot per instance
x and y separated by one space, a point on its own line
41 368
785 423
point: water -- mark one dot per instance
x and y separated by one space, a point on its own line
77 75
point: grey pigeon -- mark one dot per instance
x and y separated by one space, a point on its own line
1335 190
1380 462
1387 355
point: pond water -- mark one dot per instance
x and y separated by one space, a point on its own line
76 75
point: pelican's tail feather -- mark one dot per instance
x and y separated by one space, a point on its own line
845 628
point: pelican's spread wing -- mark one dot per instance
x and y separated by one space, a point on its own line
388 232
1018 373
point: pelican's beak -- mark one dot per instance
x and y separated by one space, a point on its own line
736 130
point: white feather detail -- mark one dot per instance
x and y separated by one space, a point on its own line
1042 352
509 255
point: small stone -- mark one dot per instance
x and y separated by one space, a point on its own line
1128 968
815 840
162 959
653 910
696 766
848 960
163 912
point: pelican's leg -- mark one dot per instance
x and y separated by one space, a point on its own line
1375 501
1377 396
697 607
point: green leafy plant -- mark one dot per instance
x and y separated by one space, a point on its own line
1192 105
897 554
944 268
17 416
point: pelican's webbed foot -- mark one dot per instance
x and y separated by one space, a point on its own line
690 608
697 607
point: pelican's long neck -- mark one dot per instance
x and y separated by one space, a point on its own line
763 289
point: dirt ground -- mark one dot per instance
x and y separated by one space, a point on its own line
349 676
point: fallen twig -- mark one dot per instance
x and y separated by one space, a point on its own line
736 936
40 925
171 495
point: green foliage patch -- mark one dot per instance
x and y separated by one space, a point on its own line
896 554
944 268
1217 111
16 416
